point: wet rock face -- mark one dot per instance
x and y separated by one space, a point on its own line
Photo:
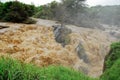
81 53
62 34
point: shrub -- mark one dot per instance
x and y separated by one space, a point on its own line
1 7
46 11
112 63
15 11
113 56
113 73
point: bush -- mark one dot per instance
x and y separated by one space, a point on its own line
113 56
15 11
113 73
46 11
1 7
14 70
112 63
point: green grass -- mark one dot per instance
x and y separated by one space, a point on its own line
113 73
112 70
15 70
113 56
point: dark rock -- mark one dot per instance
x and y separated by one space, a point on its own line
62 34
2 27
81 53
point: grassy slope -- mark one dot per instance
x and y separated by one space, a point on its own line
114 55
112 71
14 70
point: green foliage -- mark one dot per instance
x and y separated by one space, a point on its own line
46 11
1 6
30 9
15 11
113 56
112 73
14 70
112 63
60 11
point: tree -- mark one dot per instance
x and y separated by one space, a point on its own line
1 6
15 11
73 6
68 10
47 11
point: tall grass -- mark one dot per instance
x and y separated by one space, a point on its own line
15 70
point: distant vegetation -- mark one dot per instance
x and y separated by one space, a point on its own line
14 11
106 14
14 70
46 11
76 12
67 11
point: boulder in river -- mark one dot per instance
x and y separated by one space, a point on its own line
62 34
